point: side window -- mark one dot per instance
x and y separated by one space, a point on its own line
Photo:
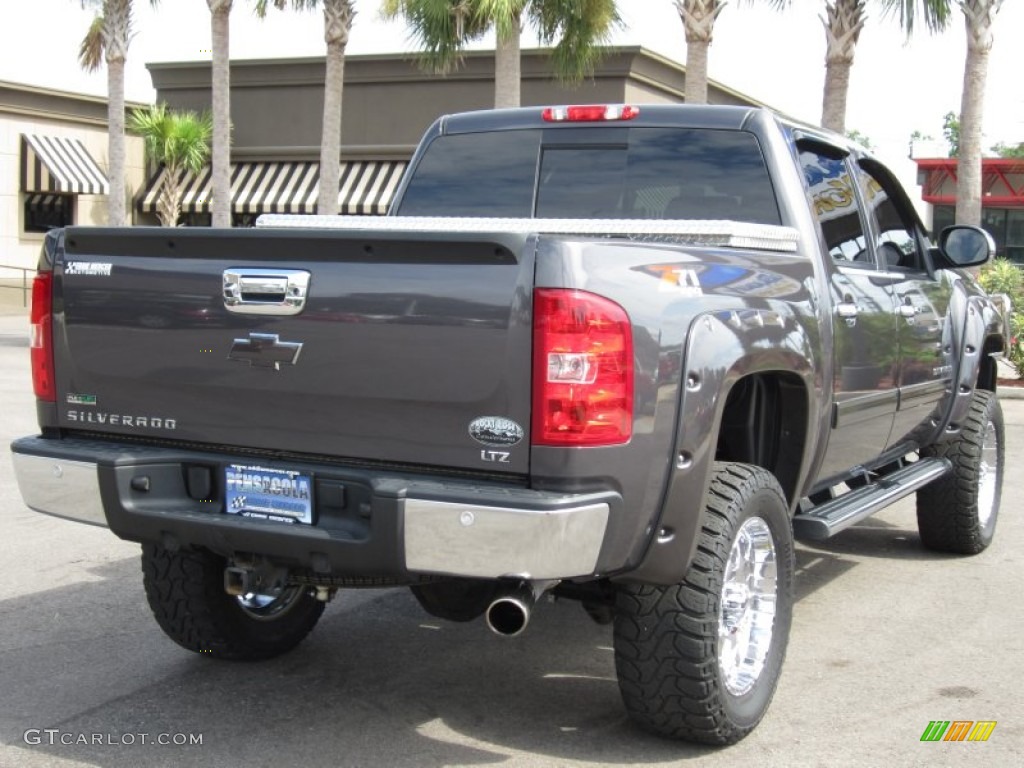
835 205
896 239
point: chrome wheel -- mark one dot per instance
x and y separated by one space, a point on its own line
270 605
746 616
988 474
702 669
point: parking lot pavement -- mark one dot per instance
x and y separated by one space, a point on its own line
886 638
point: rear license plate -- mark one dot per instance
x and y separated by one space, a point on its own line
280 495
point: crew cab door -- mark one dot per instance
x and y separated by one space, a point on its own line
921 299
865 347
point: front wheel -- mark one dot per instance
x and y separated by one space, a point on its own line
700 660
185 590
957 513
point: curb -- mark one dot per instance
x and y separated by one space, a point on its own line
1010 393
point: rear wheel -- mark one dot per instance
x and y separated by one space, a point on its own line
958 512
185 590
700 660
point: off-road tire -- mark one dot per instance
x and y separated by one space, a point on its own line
954 514
667 638
185 590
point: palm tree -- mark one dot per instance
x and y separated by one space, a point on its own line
698 17
506 17
843 22
180 141
107 41
979 16
442 28
220 27
338 16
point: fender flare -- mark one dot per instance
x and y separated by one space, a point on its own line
975 319
721 350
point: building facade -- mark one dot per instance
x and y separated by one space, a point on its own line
388 102
1002 189
53 166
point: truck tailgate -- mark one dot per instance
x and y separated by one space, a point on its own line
411 351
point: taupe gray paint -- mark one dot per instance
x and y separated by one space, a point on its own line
408 340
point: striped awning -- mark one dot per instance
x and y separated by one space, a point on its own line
59 164
365 187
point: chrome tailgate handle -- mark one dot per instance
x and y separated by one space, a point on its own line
265 291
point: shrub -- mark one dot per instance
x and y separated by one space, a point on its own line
1003 276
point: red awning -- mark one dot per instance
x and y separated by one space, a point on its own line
1002 181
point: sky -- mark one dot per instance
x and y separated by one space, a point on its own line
776 57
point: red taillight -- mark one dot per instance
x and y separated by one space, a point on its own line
582 369
41 339
589 113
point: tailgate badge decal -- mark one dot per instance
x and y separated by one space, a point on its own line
91 268
265 350
75 399
495 430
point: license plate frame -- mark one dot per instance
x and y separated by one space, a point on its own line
268 493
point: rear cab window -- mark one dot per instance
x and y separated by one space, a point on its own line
595 173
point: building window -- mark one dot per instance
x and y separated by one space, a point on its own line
43 212
196 219
193 219
1015 235
993 221
942 216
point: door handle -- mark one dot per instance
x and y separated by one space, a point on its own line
272 291
847 309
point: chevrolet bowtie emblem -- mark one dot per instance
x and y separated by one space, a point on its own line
265 350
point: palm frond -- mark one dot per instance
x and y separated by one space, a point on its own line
579 29
778 4
936 13
176 139
261 7
505 16
92 48
439 28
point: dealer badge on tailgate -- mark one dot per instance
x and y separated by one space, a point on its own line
280 495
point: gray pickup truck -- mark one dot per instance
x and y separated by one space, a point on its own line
622 355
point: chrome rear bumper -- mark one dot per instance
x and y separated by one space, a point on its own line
493 542
396 527
59 487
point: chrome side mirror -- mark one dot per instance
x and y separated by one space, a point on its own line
964 246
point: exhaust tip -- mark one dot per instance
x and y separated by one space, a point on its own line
508 616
